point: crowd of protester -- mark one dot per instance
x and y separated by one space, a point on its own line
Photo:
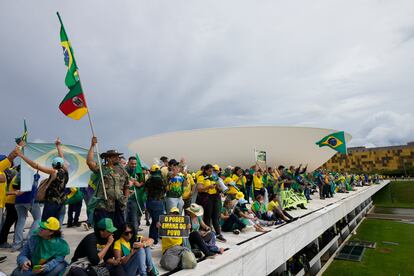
218 201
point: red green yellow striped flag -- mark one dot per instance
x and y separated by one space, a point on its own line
74 104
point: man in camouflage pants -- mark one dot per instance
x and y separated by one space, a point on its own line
116 184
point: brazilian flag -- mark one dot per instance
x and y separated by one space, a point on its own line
72 76
335 141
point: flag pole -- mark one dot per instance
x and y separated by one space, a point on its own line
97 151
91 125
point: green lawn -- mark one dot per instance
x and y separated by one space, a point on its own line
384 259
397 194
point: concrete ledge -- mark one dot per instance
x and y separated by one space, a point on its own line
266 253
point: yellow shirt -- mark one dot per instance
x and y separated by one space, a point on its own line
257 182
170 242
4 164
207 182
11 199
189 188
123 246
2 191
240 181
198 173
272 206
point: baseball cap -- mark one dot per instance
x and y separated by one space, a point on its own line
155 168
216 167
57 160
174 210
239 195
106 224
51 223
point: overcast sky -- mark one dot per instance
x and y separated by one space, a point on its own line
150 67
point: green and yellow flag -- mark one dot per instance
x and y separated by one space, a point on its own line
74 104
23 138
335 141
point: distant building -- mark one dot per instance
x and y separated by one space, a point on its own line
393 160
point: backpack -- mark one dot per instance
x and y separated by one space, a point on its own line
41 190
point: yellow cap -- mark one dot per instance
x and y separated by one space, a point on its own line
155 168
216 167
239 195
174 210
51 223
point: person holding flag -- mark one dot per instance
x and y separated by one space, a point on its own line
58 175
137 197
116 184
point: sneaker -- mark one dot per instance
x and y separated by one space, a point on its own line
85 226
3 259
221 238
236 231
69 225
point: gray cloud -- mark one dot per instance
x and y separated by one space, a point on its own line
152 67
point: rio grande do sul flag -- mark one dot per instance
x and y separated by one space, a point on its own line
74 104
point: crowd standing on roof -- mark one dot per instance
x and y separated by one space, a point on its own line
217 200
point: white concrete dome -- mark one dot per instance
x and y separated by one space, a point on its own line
235 146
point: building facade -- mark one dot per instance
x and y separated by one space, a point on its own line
393 160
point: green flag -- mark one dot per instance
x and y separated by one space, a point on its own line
72 76
24 135
138 168
335 141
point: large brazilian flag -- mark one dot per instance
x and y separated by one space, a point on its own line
335 141
43 154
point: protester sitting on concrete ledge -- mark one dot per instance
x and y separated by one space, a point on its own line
134 255
275 211
174 254
44 253
94 253
201 235
230 217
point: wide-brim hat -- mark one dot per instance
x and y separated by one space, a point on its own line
110 153
196 209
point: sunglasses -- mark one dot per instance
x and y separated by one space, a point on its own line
127 232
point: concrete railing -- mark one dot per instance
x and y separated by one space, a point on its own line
266 253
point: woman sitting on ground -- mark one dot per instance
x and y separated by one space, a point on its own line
134 255
230 219
94 254
260 210
44 252
276 211
201 235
